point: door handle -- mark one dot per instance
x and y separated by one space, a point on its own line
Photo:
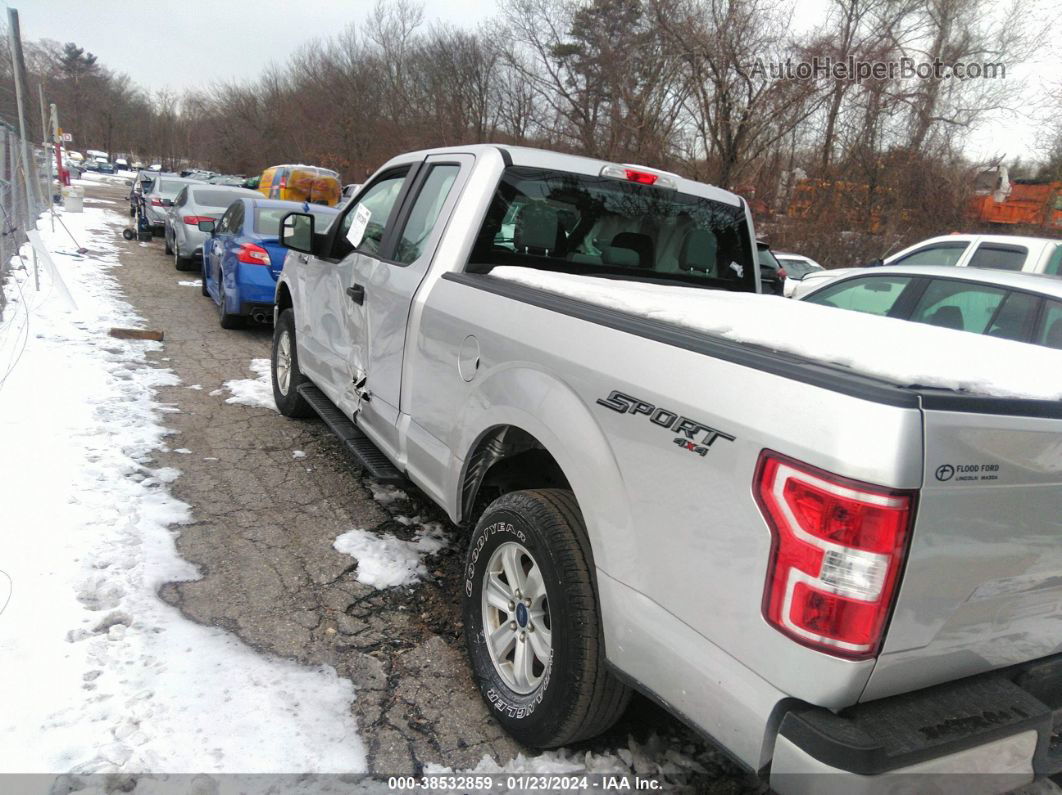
357 294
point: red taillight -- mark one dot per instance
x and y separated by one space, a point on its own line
838 546
193 220
641 177
156 202
252 254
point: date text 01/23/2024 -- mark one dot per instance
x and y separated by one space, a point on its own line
523 783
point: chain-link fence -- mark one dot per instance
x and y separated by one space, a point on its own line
24 195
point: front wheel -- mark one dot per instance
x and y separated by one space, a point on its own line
532 622
284 368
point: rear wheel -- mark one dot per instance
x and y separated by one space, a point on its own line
179 262
532 623
203 286
227 319
285 371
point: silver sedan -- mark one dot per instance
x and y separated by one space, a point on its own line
196 202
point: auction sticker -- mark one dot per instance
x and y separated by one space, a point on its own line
362 214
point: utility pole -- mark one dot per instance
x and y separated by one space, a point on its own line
18 61
44 141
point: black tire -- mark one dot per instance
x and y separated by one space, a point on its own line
290 404
166 243
202 271
576 696
226 319
179 262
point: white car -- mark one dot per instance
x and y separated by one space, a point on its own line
997 252
796 267
1024 307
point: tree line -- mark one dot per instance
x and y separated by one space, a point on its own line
691 86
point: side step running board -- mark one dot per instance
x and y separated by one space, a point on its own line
364 452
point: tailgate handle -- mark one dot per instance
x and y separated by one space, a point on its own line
357 294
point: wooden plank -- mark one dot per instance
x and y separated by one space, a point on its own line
136 334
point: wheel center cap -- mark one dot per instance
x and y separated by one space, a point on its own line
521 614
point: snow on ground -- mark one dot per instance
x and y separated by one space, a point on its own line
190 282
897 350
651 760
385 561
253 391
101 675
385 495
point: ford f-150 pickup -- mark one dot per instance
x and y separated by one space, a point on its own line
867 583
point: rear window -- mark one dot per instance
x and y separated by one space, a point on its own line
267 219
577 223
214 198
169 189
875 295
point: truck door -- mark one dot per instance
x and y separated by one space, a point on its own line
336 325
391 282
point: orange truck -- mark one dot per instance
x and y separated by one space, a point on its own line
1025 202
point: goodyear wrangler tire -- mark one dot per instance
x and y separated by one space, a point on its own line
532 622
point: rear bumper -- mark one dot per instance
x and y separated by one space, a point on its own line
1005 727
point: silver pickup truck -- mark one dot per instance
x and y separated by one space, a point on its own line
831 575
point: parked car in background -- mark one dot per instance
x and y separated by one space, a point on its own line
300 183
155 167
1024 307
350 190
142 184
242 256
996 252
796 267
163 191
196 202
106 168
772 275
121 163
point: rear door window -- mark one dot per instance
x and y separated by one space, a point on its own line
1054 263
875 295
1050 331
936 254
1015 318
964 306
999 257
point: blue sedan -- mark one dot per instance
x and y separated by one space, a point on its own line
243 256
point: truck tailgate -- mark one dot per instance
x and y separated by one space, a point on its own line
982 588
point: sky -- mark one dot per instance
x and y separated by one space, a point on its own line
194 43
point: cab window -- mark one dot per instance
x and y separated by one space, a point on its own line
874 295
963 306
379 199
938 254
1002 258
425 212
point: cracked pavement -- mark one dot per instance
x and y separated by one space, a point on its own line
263 526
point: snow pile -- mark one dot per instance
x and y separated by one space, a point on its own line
385 495
253 391
101 675
385 561
189 282
655 759
908 354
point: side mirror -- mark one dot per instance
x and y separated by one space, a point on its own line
296 232
876 263
206 226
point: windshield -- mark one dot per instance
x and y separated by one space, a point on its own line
577 223
267 219
214 198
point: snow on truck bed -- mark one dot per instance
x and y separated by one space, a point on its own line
905 353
